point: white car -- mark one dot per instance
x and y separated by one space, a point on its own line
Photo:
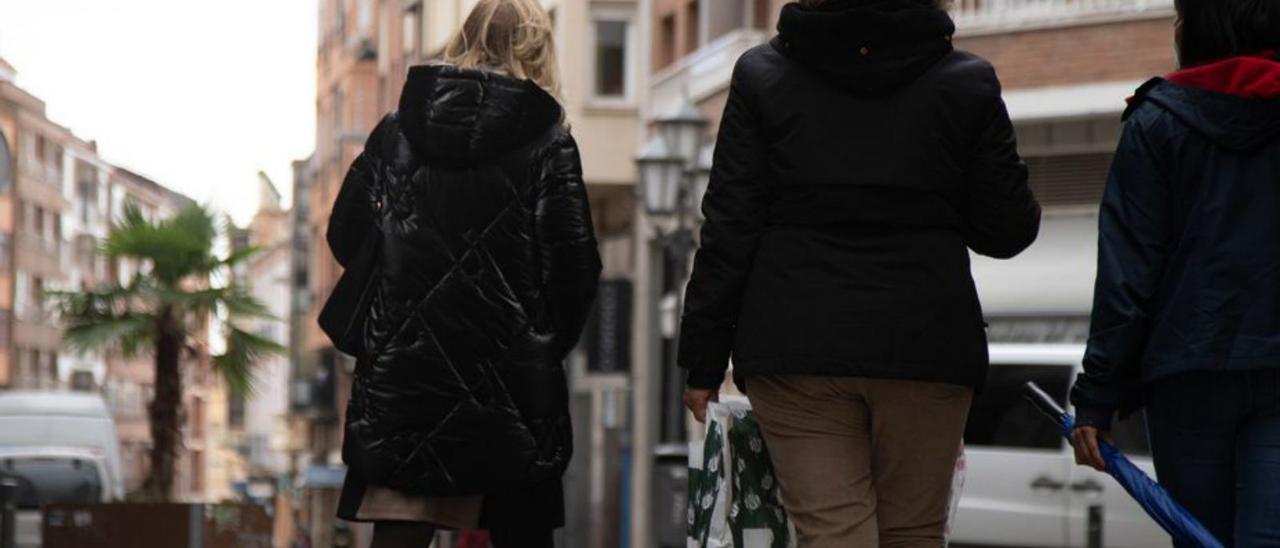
58 447
1022 487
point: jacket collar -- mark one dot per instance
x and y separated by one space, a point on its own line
866 46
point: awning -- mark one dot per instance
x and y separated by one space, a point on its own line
321 476
1076 101
1054 277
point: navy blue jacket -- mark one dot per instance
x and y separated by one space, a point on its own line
1189 249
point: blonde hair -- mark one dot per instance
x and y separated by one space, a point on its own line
511 36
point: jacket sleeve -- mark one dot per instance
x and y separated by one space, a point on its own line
355 209
1001 216
1134 243
735 210
567 243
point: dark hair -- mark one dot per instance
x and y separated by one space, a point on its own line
1211 30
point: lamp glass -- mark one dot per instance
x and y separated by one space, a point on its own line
660 183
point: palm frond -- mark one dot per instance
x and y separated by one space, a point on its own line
175 248
103 301
243 350
233 300
127 333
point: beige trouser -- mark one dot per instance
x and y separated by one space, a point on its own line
862 462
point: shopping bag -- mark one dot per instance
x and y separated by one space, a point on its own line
733 493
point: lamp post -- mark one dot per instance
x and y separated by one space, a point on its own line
672 176
673 169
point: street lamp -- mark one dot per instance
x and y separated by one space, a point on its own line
673 170
683 130
659 172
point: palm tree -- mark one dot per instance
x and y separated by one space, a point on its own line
159 311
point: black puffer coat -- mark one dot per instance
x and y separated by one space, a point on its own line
858 161
487 270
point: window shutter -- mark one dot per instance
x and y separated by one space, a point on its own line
1069 180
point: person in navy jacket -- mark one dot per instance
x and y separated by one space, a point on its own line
1186 317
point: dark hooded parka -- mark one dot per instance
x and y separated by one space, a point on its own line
487 269
1189 252
859 159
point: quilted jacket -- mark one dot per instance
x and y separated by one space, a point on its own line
487 270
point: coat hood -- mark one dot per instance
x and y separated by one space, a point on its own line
463 116
1234 102
866 46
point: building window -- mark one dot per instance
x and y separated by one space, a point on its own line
5 327
6 250
364 17
6 166
340 19
726 17
667 45
692 24
36 369
760 19
197 470
37 290
1000 418
412 25
339 112
611 58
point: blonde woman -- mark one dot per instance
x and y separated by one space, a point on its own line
468 216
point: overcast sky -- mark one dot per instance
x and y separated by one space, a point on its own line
198 95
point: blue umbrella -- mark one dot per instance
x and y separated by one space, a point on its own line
1154 499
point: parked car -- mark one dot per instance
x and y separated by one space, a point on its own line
58 447
1022 487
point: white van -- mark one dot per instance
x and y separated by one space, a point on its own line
58 447
1022 487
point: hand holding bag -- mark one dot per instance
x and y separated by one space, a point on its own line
733 493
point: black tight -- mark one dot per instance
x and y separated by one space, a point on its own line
402 534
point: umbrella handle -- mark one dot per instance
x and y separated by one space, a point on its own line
1046 405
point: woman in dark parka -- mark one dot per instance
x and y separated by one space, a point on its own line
486 270
859 160
1186 316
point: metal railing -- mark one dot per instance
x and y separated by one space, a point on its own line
977 15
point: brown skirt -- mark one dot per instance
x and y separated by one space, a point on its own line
384 504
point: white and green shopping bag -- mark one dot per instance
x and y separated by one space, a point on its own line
733 494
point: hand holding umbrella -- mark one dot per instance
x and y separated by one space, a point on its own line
1171 516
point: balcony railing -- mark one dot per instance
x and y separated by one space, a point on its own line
1001 15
